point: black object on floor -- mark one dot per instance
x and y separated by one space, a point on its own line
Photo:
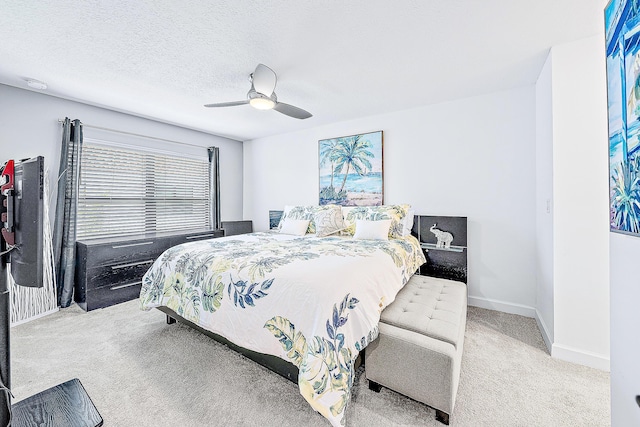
374 386
65 405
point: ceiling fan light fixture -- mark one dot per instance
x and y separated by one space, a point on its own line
263 81
262 103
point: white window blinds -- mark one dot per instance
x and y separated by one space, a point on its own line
125 192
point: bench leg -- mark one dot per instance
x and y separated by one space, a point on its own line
443 417
374 386
170 320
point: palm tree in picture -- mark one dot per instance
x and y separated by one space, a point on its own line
352 152
327 152
625 195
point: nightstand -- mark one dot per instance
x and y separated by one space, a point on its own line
447 262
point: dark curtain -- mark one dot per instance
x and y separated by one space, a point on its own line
214 186
64 237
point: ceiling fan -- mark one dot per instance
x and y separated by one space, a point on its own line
262 96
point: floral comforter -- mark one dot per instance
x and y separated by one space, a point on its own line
314 302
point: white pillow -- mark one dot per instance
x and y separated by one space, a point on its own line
372 230
285 212
297 227
407 222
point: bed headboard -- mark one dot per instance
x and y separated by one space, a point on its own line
448 258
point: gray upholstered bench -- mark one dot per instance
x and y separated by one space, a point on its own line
419 349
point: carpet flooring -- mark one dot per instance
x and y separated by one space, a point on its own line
139 371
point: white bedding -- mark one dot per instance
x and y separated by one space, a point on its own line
314 302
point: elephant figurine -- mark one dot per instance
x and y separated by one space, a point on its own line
444 238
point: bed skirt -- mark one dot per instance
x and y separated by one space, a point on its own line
273 363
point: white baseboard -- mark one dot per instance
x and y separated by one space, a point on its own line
544 331
505 307
558 351
581 357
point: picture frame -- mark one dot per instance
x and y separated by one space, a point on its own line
351 170
622 44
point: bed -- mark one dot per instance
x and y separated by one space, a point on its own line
314 302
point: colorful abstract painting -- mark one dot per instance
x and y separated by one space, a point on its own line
622 28
351 170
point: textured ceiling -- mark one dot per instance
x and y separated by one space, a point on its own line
340 60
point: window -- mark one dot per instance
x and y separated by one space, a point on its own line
125 191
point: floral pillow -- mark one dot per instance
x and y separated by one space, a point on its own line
328 221
396 213
304 212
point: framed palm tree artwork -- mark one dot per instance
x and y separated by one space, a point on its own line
622 32
351 170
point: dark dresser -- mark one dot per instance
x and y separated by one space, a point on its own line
109 271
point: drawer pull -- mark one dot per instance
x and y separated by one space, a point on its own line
200 236
115 288
133 264
132 244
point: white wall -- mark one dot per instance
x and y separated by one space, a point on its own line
544 204
580 203
625 335
29 127
473 157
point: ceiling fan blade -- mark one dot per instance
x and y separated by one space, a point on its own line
291 111
228 104
264 80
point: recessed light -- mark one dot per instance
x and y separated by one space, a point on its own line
36 84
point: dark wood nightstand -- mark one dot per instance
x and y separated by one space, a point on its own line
444 262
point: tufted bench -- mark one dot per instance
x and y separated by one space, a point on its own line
419 349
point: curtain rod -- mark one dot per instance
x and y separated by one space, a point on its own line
137 134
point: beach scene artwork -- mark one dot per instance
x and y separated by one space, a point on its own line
622 32
351 170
